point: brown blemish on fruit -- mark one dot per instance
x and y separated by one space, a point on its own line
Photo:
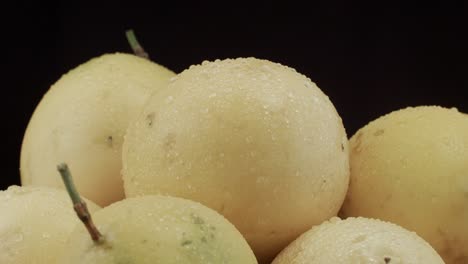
379 132
109 141
223 207
150 119
186 242
387 260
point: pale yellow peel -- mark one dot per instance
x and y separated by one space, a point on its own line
82 120
252 139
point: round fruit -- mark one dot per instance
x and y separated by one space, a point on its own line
82 120
410 167
35 223
358 240
159 229
252 139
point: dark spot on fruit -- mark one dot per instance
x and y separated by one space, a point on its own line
203 239
110 141
387 260
186 242
378 132
342 147
197 219
144 241
150 119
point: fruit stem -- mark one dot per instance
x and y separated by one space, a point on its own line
78 204
135 45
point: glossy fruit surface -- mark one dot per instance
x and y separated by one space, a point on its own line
358 240
159 229
254 140
82 120
410 167
35 222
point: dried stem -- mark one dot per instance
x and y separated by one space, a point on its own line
135 45
78 204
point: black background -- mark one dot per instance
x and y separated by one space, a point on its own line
370 59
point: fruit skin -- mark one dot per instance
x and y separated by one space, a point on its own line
82 119
358 240
159 229
35 222
254 140
410 167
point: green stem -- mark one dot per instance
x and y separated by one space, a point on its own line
135 45
78 204
69 184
